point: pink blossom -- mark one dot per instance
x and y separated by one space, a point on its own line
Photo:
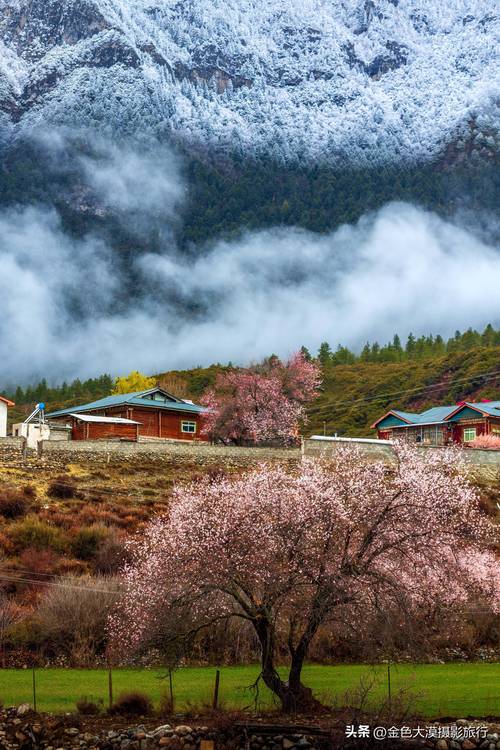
486 441
289 551
261 404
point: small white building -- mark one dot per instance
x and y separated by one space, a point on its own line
4 405
35 432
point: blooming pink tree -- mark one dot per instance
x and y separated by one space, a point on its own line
486 441
290 552
263 403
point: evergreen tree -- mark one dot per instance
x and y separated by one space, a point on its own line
410 346
306 353
325 354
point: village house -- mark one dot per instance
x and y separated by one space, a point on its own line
153 413
459 423
4 405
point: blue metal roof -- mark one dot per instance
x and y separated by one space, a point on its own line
408 415
491 407
440 414
129 399
435 414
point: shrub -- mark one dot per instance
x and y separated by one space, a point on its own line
6 545
87 540
40 560
24 634
89 706
73 618
111 554
486 441
62 488
13 504
132 704
31 532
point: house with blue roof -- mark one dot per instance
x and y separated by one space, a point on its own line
458 423
155 413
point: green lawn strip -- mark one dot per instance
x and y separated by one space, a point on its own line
461 689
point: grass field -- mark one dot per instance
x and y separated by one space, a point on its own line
471 689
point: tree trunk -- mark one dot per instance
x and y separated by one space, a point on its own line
292 694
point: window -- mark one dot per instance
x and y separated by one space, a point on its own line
188 426
469 434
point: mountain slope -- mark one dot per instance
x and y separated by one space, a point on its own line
364 80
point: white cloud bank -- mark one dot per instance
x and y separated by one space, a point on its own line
398 270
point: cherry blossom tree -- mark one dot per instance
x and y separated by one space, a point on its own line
262 403
289 552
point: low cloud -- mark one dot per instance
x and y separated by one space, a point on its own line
64 312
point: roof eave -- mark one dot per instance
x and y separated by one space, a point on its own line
466 405
161 390
391 413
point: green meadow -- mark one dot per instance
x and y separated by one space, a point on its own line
455 690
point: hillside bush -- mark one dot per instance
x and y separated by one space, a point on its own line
111 554
41 561
32 532
73 618
132 704
87 540
62 488
6 545
25 634
13 503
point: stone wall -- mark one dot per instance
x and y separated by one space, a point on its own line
171 451
22 728
159 451
322 447
382 449
11 450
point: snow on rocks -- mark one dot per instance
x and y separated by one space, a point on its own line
366 81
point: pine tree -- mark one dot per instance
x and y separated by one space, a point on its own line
325 354
410 346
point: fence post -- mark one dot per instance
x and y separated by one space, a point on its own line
110 686
389 682
216 690
34 688
171 689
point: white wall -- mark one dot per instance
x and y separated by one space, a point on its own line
3 419
33 432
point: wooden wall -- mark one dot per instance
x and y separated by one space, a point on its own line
164 424
160 422
103 431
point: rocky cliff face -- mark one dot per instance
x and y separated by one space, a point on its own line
364 80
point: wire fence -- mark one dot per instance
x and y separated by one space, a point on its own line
210 688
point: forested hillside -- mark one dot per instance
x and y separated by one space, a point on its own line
227 196
355 395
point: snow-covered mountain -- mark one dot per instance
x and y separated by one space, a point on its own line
364 80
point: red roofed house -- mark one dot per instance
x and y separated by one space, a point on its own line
4 405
